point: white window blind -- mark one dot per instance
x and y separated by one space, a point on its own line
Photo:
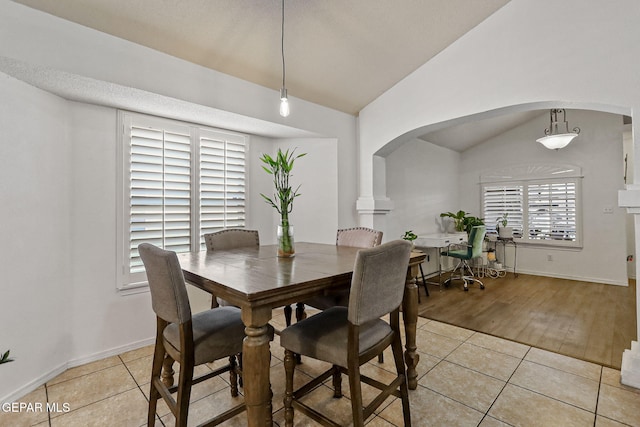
179 182
542 212
222 183
552 211
499 200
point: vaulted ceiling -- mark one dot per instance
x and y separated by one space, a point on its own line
341 54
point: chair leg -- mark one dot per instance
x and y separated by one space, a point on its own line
424 281
289 367
154 394
396 347
355 388
287 314
337 382
233 376
300 314
381 358
184 393
240 382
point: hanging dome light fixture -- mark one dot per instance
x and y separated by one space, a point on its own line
284 100
555 139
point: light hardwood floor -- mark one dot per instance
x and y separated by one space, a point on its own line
588 321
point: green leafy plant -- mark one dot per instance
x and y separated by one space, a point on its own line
502 220
5 358
409 235
472 221
280 167
458 219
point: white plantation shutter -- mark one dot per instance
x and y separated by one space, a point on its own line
179 182
552 211
501 199
222 182
540 211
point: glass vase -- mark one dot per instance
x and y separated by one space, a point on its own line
286 247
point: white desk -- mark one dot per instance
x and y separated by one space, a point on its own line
439 241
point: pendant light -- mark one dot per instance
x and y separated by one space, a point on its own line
556 139
284 101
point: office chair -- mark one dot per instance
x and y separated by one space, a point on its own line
472 249
348 337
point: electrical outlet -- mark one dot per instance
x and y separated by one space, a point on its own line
607 210
549 257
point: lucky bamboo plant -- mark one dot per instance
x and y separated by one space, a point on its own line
280 167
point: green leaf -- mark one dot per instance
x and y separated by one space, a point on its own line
5 358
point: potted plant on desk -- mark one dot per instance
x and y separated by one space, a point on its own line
410 236
504 232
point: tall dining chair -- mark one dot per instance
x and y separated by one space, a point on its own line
230 238
359 237
464 254
190 340
348 337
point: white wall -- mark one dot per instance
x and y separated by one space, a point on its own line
582 55
36 229
598 151
317 175
423 180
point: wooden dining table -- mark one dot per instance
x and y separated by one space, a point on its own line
257 280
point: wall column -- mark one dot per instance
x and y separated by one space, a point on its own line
630 370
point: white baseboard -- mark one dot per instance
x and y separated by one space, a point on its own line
570 277
47 376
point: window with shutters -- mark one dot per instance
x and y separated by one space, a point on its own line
179 181
542 203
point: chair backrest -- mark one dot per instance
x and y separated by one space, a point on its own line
232 238
359 237
378 281
166 282
476 236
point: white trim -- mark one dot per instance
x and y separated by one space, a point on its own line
572 277
46 377
531 172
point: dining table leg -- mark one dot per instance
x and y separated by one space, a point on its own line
255 366
410 318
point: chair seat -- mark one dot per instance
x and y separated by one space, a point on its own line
327 301
458 253
324 336
217 333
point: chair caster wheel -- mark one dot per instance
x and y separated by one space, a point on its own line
482 287
466 289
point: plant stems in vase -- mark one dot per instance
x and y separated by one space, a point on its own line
282 200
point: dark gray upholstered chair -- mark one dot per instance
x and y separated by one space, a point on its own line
348 337
229 239
359 237
189 340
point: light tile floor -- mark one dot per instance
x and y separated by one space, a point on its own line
465 379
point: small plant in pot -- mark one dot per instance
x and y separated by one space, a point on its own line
410 236
282 201
504 232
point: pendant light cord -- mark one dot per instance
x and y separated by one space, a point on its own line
282 44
